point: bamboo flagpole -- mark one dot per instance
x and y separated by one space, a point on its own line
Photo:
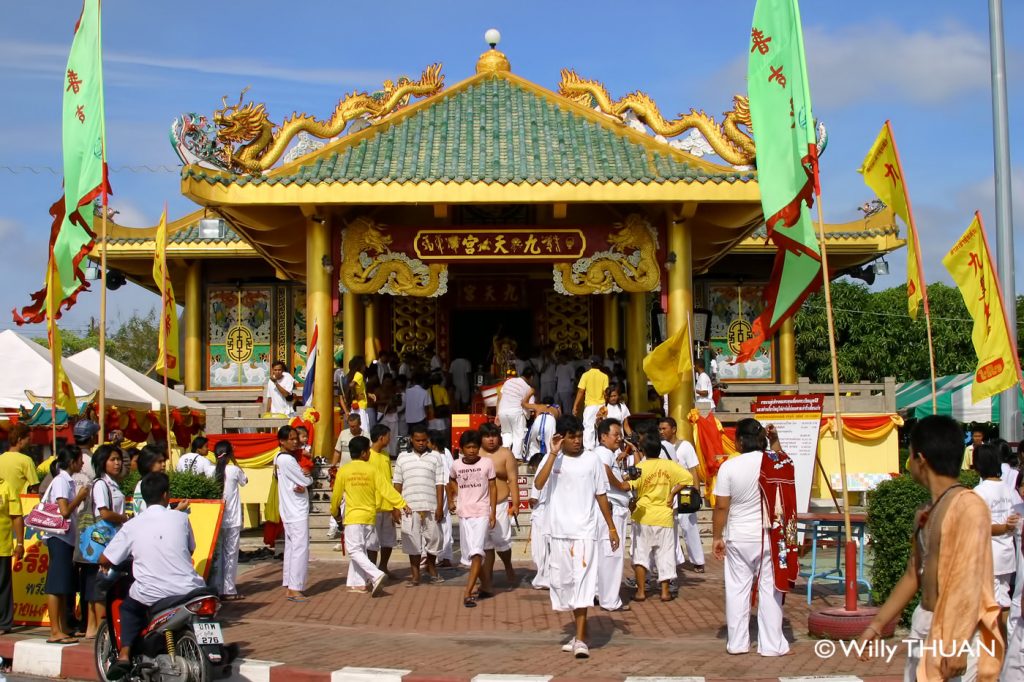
851 547
912 225
102 416
883 173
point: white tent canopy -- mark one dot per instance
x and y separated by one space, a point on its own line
135 382
25 366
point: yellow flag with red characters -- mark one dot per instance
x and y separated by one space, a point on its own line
883 173
168 360
970 265
666 364
63 392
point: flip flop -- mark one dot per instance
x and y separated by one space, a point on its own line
436 579
63 640
469 602
298 600
671 598
639 598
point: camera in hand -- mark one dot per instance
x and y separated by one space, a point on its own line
634 473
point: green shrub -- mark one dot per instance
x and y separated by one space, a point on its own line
184 486
891 509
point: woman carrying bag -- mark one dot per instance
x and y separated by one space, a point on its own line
60 582
108 517
231 477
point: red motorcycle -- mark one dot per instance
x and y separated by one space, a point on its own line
182 643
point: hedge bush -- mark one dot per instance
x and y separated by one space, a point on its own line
890 521
183 486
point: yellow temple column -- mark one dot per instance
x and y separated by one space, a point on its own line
194 327
612 336
371 329
680 305
636 349
318 311
787 353
352 320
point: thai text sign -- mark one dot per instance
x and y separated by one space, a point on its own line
797 418
29 574
504 244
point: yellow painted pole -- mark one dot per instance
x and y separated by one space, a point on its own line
352 320
680 306
636 349
318 311
194 327
787 353
371 329
612 323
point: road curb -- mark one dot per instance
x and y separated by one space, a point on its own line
35 656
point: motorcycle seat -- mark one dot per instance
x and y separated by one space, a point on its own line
179 599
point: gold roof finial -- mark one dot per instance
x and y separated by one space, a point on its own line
492 60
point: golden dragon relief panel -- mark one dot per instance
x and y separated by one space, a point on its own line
629 264
369 266
413 324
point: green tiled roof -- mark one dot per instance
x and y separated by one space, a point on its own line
493 130
186 236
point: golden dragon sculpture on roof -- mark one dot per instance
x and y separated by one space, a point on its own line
247 141
726 139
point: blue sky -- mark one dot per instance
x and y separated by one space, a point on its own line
923 64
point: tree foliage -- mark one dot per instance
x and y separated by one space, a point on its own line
134 342
876 338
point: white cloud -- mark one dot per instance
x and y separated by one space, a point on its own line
41 59
885 61
8 228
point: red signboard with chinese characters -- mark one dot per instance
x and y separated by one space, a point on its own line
503 244
478 292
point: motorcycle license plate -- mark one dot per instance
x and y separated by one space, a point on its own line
208 633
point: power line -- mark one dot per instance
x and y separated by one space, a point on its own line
57 172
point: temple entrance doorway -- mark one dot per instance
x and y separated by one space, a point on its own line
473 333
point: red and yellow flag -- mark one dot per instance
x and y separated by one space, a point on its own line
168 360
63 392
883 173
970 264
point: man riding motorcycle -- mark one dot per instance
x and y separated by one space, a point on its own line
160 543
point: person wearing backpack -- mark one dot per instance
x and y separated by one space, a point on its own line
108 516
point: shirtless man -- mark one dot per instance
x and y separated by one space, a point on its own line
952 612
499 539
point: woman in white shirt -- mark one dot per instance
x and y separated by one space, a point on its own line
195 461
107 505
613 408
60 583
231 477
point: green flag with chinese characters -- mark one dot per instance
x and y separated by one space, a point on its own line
783 130
85 176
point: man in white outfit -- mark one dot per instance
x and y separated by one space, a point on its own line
514 398
293 500
461 370
741 539
279 397
704 398
609 558
687 523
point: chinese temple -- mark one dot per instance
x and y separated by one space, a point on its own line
427 216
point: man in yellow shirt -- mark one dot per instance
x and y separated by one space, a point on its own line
364 488
384 537
656 488
17 468
590 392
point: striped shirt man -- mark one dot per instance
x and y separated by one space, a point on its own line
420 475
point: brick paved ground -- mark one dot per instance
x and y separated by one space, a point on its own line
427 630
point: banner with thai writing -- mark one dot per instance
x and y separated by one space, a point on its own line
797 418
29 574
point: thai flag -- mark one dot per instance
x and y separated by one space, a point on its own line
307 385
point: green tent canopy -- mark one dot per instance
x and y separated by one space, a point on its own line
953 393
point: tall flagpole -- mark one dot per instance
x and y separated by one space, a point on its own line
103 273
162 342
1009 411
920 269
851 550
